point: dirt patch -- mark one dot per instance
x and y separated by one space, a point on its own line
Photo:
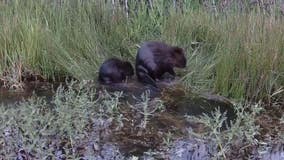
139 122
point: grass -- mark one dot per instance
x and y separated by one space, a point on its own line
239 55
236 54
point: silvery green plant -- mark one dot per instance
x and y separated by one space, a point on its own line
243 128
147 107
109 102
108 106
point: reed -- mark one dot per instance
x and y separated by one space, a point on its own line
237 54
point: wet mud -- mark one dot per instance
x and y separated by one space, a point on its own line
164 132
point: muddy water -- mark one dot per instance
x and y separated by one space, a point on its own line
132 138
179 103
41 89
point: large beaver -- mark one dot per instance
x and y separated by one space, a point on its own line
156 58
115 70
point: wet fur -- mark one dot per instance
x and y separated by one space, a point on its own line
115 71
154 59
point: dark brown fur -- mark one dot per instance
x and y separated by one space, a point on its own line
154 59
115 71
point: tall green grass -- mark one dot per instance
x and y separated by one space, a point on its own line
237 54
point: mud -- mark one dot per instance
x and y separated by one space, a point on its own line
162 136
40 89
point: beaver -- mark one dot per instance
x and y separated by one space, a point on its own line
154 59
115 70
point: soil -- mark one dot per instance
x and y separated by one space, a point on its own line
165 133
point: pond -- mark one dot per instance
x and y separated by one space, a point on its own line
122 121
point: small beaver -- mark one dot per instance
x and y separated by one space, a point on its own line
154 59
115 70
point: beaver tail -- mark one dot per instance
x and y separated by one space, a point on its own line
143 76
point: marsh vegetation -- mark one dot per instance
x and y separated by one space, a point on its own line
236 52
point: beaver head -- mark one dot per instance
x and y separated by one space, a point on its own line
178 57
127 68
